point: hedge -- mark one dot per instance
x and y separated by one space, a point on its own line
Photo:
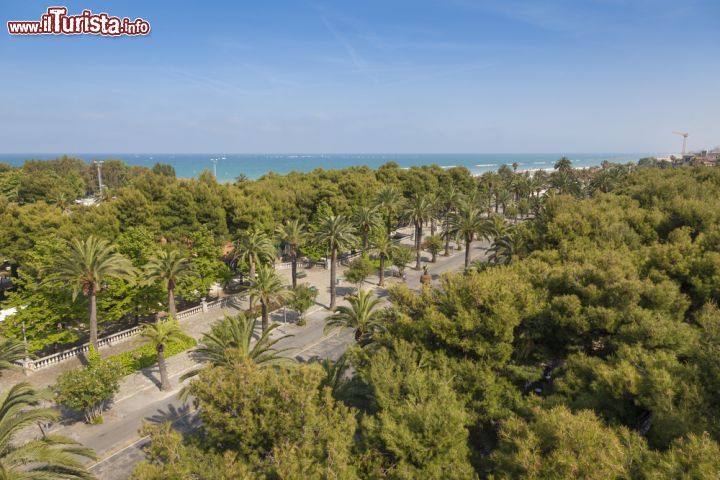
146 356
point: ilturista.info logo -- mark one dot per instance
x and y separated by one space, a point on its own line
56 21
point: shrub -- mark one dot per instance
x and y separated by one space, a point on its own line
302 299
146 356
359 269
89 389
401 256
433 244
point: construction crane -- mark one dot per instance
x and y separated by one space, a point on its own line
684 135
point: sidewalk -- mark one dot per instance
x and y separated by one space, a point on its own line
193 326
140 399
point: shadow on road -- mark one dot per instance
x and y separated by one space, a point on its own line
182 418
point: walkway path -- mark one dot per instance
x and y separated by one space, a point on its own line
117 442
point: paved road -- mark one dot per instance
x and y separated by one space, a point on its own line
308 343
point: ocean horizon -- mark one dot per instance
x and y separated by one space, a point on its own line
231 165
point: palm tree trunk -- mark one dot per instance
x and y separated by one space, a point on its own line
418 235
389 224
333 274
294 267
92 308
265 322
171 303
468 243
162 366
251 300
365 240
447 235
432 227
381 274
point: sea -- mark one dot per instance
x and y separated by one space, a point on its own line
229 166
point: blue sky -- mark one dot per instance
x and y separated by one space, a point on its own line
368 76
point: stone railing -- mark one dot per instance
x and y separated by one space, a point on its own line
49 360
305 264
190 311
347 258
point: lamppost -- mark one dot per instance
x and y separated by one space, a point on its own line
26 360
99 163
214 162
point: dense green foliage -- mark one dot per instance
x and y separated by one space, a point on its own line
302 298
586 345
50 456
146 355
143 208
89 389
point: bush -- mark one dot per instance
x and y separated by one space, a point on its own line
302 298
401 256
89 389
359 269
146 356
433 244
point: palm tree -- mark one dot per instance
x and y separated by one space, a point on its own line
563 165
435 207
169 267
565 182
419 211
366 218
467 223
87 264
497 226
336 375
255 248
336 232
48 457
160 334
293 234
361 316
506 248
61 200
232 337
504 197
268 288
350 389
383 248
389 200
450 196
10 351
537 183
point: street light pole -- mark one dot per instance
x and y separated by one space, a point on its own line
26 360
99 169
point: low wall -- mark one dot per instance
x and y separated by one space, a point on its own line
115 338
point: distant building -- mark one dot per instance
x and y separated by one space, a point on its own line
709 158
88 201
7 313
5 275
